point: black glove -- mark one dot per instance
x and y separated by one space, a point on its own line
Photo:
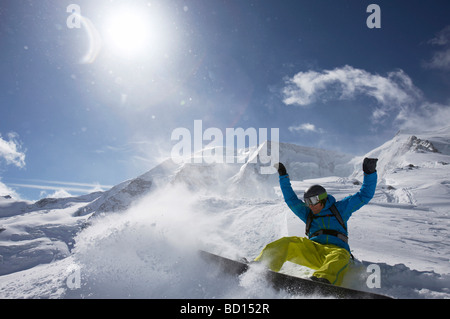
370 165
280 168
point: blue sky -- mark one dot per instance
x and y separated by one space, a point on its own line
86 108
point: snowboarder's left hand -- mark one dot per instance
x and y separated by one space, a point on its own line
281 169
370 165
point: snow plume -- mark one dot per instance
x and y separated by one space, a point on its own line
152 248
147 246
428 115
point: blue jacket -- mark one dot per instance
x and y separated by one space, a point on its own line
346 208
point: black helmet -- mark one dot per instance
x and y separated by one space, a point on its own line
315 194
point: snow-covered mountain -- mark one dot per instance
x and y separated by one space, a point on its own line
239 177
413 169
139 238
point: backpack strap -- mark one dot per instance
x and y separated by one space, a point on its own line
335 212
338 216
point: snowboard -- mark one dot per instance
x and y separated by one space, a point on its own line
291 284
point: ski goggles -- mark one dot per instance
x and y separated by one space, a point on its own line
314 200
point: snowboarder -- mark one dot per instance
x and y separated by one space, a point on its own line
326 249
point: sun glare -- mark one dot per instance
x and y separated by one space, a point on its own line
130 32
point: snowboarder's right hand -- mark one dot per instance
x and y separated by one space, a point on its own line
281 169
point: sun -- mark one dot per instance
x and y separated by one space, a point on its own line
130 32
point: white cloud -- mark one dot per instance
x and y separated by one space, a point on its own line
306 127
11 151
396 90
442 38
395 94
440 59
5 190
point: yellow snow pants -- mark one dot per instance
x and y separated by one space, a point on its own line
329 261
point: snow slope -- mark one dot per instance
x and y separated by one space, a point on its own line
140 239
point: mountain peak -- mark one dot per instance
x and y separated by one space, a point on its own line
409 150
416 144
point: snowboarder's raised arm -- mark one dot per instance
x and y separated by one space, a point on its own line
352 203
370 179
291 199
